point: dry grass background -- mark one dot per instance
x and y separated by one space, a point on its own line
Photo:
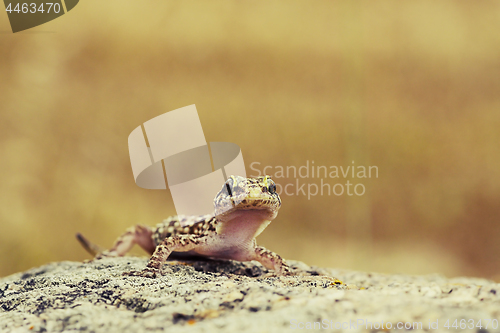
411 87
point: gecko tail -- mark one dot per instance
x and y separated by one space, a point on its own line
89 246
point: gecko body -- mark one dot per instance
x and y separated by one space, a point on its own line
243 209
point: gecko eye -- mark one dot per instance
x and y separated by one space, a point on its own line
229 186
272 189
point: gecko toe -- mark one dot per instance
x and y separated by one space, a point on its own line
144 273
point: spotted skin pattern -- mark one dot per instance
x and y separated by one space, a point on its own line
243 209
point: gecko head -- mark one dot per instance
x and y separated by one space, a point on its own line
239 195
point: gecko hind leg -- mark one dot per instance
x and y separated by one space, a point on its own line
139 234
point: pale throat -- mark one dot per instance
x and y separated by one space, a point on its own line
245 224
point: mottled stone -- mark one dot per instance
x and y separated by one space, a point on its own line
206 296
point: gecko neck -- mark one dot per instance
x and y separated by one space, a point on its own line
244 225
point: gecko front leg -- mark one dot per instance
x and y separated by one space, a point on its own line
179 243
271 260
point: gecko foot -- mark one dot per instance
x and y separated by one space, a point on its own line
99 256
149 273
273 274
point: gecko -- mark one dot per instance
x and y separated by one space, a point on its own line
243 208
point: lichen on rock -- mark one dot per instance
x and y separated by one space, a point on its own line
231 296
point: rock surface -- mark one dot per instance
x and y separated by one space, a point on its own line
213 296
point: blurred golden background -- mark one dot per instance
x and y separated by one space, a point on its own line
410 87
